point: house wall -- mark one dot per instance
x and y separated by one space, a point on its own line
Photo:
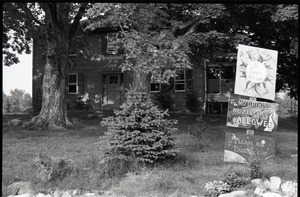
95 65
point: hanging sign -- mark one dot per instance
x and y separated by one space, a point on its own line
253 115
242 148
256 72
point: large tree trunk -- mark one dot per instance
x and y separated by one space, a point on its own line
53 113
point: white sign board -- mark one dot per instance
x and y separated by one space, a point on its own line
256 72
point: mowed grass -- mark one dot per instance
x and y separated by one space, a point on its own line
200 160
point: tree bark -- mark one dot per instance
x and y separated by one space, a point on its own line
53 112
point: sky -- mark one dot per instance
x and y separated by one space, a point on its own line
18 75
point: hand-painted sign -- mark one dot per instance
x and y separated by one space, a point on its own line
253 115
256 72
243 148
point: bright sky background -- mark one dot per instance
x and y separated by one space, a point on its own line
18 75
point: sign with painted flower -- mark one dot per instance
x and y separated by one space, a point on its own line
254 115
256 72
242 148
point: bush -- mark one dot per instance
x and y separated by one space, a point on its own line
255 169
234 180
140 130
216 188
51 169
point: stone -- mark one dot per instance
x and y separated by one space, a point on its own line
271 194
239 193
41 195
268 185
275 181
259 190
256 182
90 116
89 194
100 115
20 187
15 122
57 193
22 195
66 194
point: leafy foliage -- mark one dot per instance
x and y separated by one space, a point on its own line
255 169
216 188
147 37
165 100
17 101
234 180
140 130
50 169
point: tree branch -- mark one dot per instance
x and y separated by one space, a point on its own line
29 14
76 20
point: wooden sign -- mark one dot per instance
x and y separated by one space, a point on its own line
253 115
242 148
256 72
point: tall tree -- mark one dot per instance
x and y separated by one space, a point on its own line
273 26
57 23
147 36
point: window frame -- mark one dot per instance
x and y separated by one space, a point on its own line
155 91
220 77
76 83
112 52
182 81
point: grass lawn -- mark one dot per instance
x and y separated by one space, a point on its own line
200 161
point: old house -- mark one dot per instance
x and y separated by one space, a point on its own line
96 78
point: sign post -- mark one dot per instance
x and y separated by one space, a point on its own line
256 78
249 131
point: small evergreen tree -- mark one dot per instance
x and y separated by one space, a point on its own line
141 130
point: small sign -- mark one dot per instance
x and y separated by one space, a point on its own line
242 148
253 115
256 72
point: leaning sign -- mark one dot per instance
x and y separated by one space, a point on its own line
256 72
254 115
244 148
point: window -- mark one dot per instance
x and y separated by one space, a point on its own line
112 43
179 82
220 78
75 83
155 85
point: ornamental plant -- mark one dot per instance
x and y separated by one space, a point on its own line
289 189
140 130
216 188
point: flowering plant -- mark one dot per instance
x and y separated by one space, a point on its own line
289 189
216 188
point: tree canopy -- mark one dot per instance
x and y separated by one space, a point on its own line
197 30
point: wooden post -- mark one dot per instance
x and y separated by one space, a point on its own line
249 131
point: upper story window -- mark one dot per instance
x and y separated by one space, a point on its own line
113 44
180 81
75 83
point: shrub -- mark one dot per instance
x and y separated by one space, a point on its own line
255 169
52 169
234 180
141 130
216 188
